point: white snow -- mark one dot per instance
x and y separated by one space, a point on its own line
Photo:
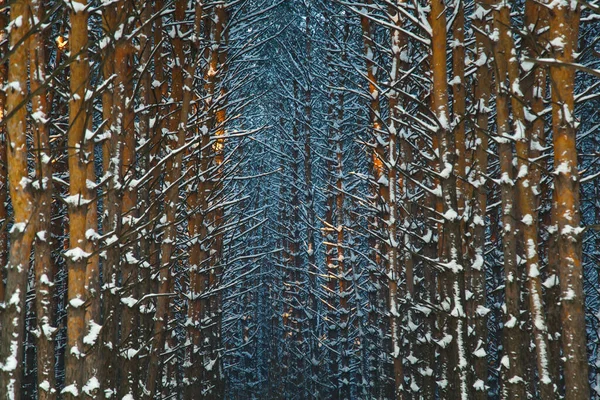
511 323
569 295
479 385
91 385
18 227
41 235
39 117
477 263
563 168
550 282
209 365
11 360
76 302
45 386
445 173
558 43
129 301
92 336
450 215
76 200
76 254
71 389
482 311
480 353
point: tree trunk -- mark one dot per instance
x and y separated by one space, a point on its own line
455 360
513 369
476 310
44 243
23 229
80 155
564 31
3 150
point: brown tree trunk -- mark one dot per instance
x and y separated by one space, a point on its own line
44 244
455 360
158 286
526 179
513 369
459 99
80 155
129 314
3 150
197 285
380 194
22 232
112 100
476 310
564 31
147 196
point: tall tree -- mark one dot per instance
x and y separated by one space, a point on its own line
22 231
564 31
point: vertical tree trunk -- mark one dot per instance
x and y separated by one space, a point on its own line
332 313
162 274
3 150
380 193
452 277
112 114
534 84
80 155
216 266
23 228
564 31
129 314
459 100
341 222
512 362
175 141
529 225
197 285
147 194
310 204
44 244
476 310
395 187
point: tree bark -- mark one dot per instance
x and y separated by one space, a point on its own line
564 31
23 228
80 155
44 243
476 310
512 362
455 360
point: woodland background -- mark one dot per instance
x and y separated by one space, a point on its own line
263 199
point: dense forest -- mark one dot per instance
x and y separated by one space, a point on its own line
299 199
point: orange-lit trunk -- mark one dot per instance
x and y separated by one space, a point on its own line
476 310
80 155
380 193
197 284
3 150
454 358
23 228
564 31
